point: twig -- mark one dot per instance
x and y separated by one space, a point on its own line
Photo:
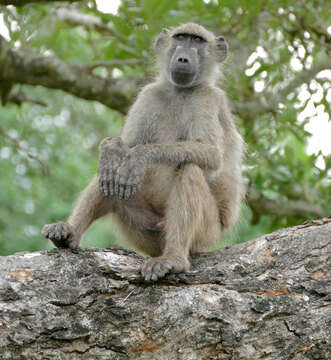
19 98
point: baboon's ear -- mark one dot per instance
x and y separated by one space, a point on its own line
221 48
160 39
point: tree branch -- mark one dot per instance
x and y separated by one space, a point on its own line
261 205
251 109
304 77
269 103
88 21
113 63
20 97
76 17
21 67
267 298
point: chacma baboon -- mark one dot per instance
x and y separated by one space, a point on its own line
172 180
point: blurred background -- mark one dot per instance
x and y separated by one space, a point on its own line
69 70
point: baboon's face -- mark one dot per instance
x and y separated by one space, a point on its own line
186 57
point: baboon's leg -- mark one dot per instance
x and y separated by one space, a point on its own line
190 213
136 213
192 220
90 205
210 229
229 193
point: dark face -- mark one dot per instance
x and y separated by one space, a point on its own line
185 55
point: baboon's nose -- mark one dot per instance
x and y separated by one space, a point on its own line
183 60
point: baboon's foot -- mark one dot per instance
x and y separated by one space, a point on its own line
156 268
61 234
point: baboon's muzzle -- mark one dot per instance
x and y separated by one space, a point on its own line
183 66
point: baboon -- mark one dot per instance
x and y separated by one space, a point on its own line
172 181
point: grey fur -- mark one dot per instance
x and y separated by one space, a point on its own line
173 179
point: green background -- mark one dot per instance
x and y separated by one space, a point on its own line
49 153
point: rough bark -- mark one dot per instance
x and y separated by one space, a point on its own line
268 298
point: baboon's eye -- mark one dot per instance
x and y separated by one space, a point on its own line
197 39
180 37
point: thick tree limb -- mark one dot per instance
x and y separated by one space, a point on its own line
265 299
24 68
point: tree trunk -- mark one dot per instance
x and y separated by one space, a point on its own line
269 298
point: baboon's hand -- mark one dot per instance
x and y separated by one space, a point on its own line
112 152
61 235
129 174
156 268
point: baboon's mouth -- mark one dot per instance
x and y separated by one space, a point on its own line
182 77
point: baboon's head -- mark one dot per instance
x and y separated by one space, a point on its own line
188 54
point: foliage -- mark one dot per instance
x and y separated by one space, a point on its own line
48 154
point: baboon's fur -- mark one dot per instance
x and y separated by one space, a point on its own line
180 146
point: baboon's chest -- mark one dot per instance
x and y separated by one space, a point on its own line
176 123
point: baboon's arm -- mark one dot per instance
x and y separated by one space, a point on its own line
130 173
206 156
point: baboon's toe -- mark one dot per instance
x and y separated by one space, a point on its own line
156 268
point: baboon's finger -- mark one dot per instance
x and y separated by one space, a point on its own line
111 186
128 192
121 191
116 185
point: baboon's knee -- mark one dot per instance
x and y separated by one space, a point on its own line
201 209
192 177
191 169
191 197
